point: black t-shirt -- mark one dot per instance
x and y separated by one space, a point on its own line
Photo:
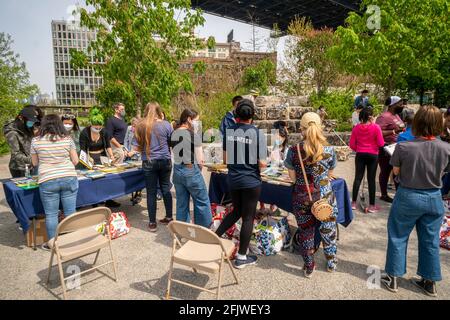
87 145
245 146
183 143
117 128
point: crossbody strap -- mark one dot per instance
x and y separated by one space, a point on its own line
304 172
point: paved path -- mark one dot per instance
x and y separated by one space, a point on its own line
144 260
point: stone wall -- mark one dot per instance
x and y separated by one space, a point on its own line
270 109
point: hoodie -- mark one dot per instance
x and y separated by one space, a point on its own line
227 122
20 144
366 138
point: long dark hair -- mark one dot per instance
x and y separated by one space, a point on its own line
52 125
284 134
185 115
70 116
365 114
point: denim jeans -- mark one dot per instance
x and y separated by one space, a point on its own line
158 171
424 210
54 191
189 183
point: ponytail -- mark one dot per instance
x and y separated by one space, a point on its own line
314 142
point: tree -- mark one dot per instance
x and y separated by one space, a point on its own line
260 76
15 85
306 51
409 42
138 46
256 40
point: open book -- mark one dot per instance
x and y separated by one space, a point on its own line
84 159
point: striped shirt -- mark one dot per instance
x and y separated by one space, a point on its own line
54 158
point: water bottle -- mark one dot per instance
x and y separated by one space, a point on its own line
27 175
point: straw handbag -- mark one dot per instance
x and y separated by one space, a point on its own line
321 209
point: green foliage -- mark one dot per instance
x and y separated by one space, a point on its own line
260 76
307 53
338 105
214 108
412 42
138 47
14 85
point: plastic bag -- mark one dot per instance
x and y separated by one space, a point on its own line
270 237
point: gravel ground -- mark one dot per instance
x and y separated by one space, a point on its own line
143 262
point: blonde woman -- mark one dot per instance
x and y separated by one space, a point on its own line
152 137
319 161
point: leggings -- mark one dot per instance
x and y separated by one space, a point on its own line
362 161
385 171
244 206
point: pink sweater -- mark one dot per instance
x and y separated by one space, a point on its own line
366 138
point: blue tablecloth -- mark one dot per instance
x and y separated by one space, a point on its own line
281 196
26 204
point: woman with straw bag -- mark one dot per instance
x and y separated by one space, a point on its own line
310 166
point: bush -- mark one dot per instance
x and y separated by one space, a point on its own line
339 106
261 76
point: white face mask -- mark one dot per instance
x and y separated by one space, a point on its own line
196 125
68 127
96 130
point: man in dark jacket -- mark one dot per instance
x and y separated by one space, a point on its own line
229 119
18 134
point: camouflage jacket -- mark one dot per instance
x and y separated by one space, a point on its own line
20 144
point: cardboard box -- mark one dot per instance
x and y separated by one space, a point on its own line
41 233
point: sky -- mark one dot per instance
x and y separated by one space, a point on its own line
29 24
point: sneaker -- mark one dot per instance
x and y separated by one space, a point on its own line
353 205
390 282
386 199
308 272
373 209
112 204
165 220
45 247
427 286
241 264
152 227
331 269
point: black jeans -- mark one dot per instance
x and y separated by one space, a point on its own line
362 161
158 171
17 173
244 206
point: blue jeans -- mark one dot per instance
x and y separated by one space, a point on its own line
54 191
158 171
189 183
424 210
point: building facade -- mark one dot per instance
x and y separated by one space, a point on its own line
225 65
73 87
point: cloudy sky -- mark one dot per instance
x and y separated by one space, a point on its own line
29 23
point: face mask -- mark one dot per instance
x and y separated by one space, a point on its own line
196 125
30 124
278 142
399 110
122 114
96 130
68 127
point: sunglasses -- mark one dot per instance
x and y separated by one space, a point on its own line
68 116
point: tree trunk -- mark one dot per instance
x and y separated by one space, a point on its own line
422 93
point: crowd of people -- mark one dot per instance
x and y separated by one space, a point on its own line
173 154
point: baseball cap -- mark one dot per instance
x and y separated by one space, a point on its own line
30 113
393 100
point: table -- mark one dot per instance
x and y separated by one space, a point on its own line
281 195
26 204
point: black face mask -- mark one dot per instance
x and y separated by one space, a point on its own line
398 110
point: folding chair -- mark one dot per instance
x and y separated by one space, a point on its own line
76 237
203 251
